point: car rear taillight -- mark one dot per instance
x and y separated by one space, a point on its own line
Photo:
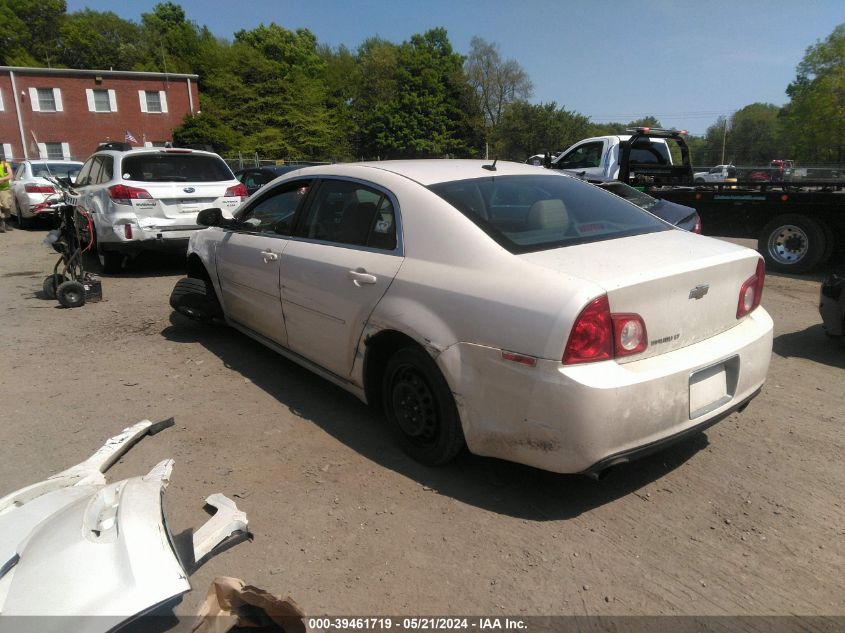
124 194
237 190
39 189
751 291
600 335
697 227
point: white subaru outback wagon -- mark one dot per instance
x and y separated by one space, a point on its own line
148 199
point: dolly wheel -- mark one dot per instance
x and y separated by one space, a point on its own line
71 294
51 283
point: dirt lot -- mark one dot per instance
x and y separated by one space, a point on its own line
745 519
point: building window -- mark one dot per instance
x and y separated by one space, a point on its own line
54 151
101 100
6 151
153 101
46 99
2 105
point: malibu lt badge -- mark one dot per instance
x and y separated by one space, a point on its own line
699 291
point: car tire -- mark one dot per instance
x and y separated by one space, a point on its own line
52 283
699 181
195 299
420 408
110 261
71 294
792 243
23 223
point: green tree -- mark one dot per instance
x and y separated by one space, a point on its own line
29 31
418 103
755 134
495 83
814 118
526 129
102 40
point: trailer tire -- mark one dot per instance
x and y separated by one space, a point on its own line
51 284
195 299
792 243
71 294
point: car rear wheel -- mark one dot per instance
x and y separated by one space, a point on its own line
420 408
195 299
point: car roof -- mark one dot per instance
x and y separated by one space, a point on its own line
155 150
43 161
428 171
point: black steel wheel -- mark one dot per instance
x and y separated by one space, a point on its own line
52 283
792 243
420 408
71 294
196 299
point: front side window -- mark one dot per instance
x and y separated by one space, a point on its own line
350 213
46 100
534 213
275 212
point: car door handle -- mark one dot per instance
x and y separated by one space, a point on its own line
269 256
361 276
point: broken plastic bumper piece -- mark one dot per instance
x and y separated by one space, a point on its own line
75 546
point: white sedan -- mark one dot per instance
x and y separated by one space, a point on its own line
33 189
527 316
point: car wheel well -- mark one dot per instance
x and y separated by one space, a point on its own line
380 347
196 268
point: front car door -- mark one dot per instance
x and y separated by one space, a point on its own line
249 257
346 250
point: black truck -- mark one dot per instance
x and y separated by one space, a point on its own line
798 224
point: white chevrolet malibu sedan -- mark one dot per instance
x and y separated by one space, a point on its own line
527 316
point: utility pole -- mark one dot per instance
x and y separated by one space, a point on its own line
724 136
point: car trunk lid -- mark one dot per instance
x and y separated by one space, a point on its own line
685 287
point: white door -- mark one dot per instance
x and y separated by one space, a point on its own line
248 261
343 258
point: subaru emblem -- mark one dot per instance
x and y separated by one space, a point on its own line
189 190
699 291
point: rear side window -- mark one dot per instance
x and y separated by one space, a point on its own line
352 214
175 168
534 213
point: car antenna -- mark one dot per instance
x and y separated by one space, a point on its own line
490 167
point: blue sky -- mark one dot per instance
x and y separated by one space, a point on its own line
613 60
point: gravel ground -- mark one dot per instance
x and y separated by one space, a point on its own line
745 519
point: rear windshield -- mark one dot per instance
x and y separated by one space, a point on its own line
534 213
56 170
175 168
651 153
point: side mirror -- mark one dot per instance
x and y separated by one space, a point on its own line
210 217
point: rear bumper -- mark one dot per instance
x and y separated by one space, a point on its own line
582 418
144 236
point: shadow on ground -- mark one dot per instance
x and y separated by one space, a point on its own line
492 484
813 344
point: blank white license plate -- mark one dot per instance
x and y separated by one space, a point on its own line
708 389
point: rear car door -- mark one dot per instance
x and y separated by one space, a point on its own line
346 250
248 261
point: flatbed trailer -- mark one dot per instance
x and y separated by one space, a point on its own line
796 227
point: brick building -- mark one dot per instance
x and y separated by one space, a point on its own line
62 113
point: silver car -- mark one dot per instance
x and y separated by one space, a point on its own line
33 187
148 199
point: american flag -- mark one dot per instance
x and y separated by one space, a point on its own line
129 138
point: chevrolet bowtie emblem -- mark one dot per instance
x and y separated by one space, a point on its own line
699 291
